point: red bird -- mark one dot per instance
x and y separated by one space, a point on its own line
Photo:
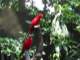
35 21
26 45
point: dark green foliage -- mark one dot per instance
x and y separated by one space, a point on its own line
69 47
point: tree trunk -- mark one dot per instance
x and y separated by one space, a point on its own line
38 42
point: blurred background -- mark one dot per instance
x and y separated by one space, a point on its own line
60 28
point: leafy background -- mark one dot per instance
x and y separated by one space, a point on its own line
60 25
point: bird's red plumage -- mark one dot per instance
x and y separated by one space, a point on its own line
36 20
27 43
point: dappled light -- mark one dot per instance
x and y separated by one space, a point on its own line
39 29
